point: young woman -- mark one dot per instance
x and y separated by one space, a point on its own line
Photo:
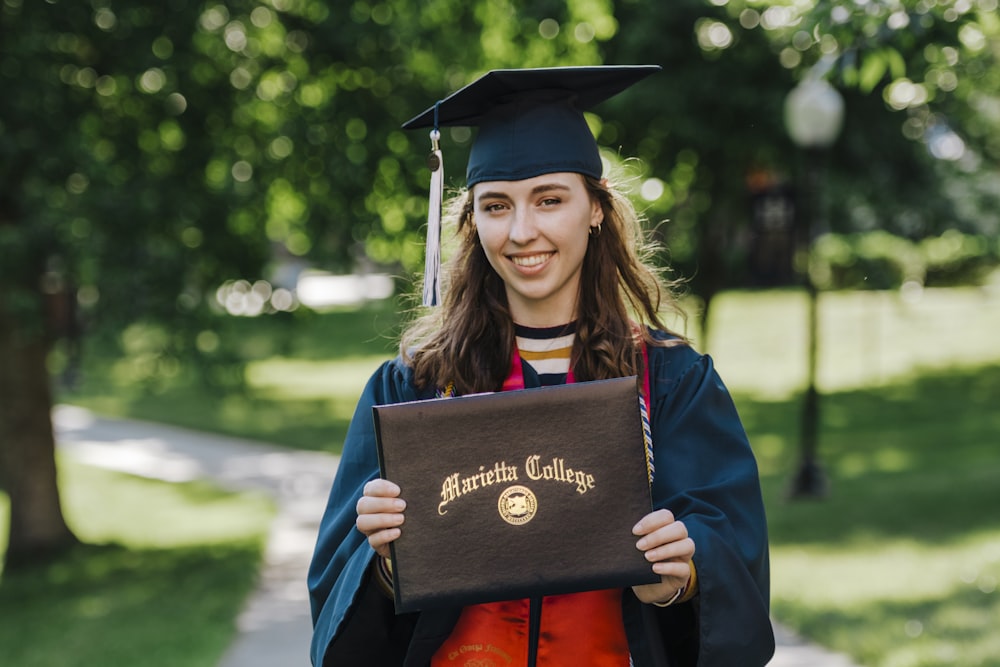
551 266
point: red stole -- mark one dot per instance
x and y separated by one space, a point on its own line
576 629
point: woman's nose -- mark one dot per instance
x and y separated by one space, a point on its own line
522 226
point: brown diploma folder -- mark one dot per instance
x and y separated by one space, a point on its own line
516 494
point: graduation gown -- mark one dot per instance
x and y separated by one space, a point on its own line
706 475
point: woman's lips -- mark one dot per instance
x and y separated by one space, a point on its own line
531 261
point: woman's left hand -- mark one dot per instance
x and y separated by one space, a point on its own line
665 543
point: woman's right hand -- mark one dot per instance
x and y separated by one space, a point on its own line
380 513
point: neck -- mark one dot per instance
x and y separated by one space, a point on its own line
542 320
541 314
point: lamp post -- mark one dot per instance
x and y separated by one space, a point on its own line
814 113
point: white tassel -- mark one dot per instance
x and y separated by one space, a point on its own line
432 259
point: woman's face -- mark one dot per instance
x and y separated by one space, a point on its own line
535 234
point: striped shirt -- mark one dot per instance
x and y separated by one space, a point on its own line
547 350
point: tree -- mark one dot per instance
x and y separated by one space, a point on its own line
103 144
919 78
719 122
150 151
907 158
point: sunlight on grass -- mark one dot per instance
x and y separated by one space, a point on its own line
289 379
886 569
899 564
102 506
304 377
897 567
759 339
934 603
881 460
165 572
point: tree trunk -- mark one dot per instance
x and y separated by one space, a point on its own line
27 448
712 245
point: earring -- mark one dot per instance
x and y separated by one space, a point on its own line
596 229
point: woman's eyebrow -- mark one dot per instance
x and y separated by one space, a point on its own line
537 190
492 195
548 187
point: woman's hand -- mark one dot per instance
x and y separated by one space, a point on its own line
665 543
380 513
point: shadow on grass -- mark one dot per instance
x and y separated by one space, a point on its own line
372 329
112 605
958 628
913 458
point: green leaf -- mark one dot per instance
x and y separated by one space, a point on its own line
873 67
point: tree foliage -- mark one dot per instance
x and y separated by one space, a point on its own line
150 151
921 82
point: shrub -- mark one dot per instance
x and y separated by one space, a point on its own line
869 260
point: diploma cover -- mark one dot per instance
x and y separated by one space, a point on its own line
516 494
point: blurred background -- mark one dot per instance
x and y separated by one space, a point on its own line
210 217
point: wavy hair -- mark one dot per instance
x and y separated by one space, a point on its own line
468 341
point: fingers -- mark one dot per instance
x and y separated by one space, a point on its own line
652 521
379 505
664 542
671 560
380 513
379 518
382 488
380 539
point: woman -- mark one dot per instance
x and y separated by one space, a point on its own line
550 267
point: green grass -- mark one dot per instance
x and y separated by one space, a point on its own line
898 567
303 378
866 339
162 575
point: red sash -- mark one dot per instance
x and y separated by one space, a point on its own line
576 629
583 629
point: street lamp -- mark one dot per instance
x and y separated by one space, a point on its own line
814 114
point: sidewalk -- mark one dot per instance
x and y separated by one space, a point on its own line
274 627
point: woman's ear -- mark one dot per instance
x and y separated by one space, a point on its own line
597 218
596 213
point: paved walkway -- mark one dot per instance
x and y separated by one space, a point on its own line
274 628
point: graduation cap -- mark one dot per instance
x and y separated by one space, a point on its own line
530 122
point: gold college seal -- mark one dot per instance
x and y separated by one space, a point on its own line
517 505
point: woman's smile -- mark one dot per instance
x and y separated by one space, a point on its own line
531 261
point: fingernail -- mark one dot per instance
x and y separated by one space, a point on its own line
641 544
399 505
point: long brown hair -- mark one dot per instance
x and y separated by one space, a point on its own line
468 341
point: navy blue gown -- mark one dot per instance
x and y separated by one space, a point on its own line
706 475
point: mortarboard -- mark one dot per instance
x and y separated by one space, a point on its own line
530 122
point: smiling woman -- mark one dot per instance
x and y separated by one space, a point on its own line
549 284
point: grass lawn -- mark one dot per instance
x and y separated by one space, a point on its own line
303 378
163 574
898 567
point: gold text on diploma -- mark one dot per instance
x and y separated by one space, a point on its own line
455 485
558 471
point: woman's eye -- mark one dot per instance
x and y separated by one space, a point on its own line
494 207
550 201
